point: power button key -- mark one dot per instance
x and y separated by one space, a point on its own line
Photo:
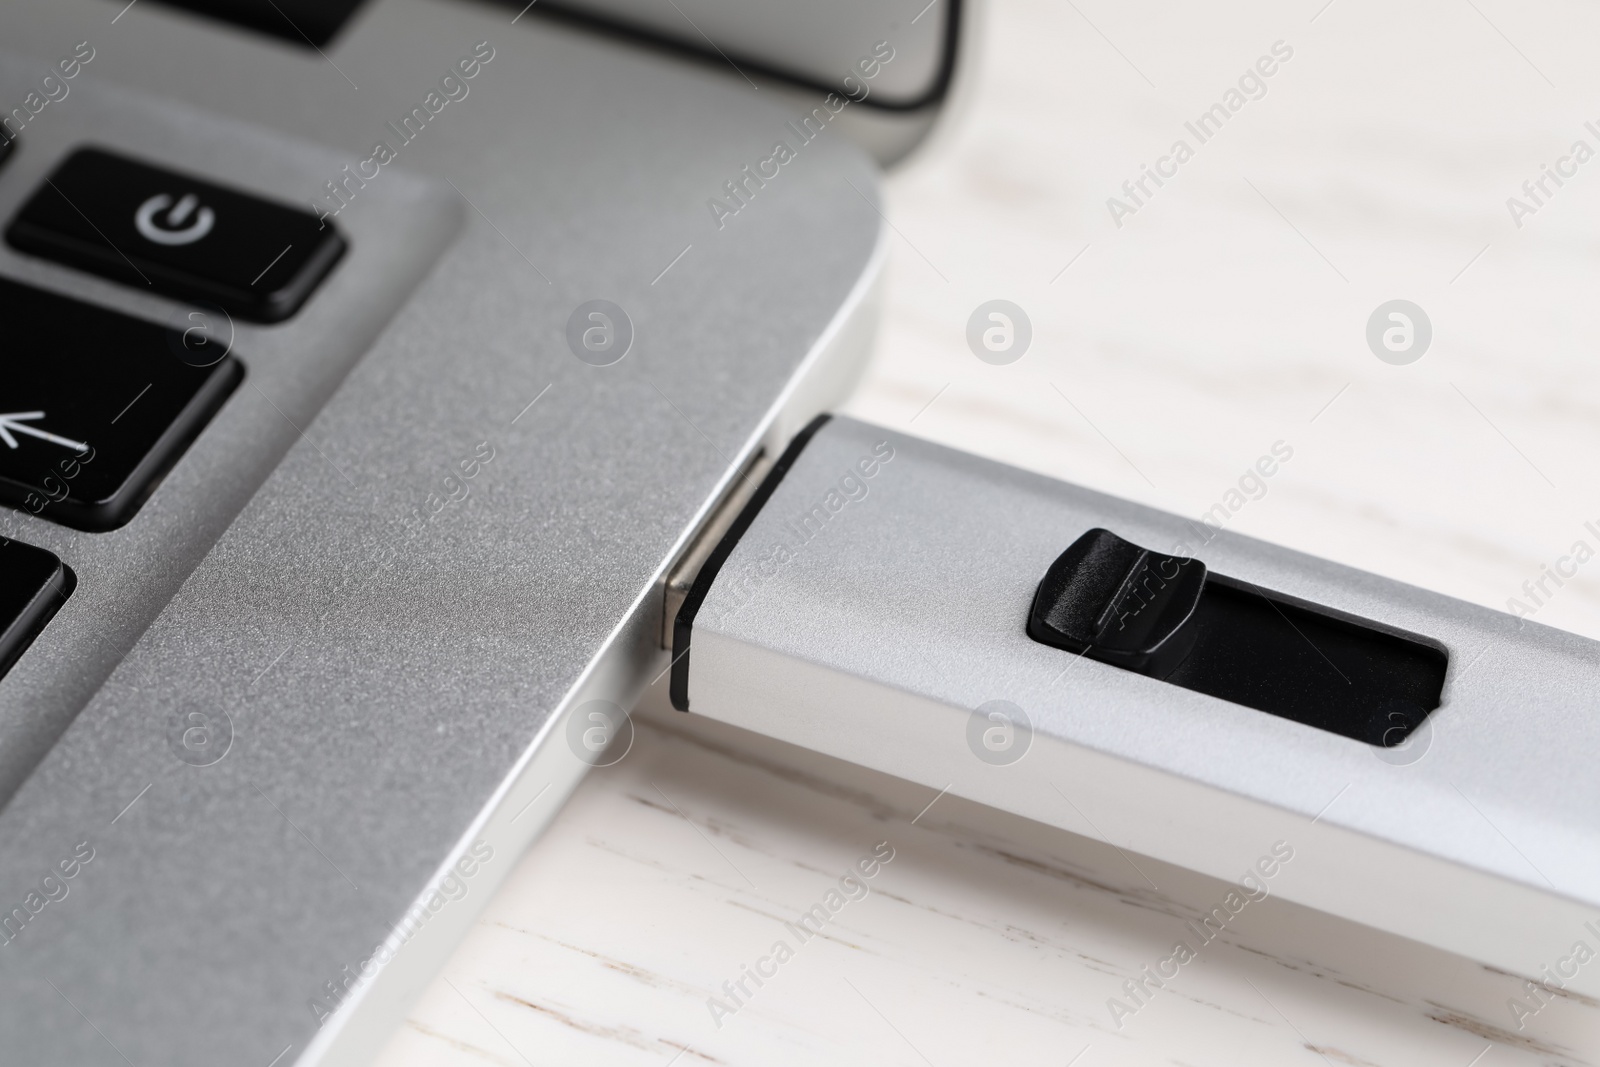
177 235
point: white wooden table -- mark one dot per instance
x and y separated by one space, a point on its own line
1227 313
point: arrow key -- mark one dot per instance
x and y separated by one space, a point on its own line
94 407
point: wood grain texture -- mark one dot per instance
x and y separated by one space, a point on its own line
987 939
1226 314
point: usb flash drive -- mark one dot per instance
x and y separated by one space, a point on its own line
1064 655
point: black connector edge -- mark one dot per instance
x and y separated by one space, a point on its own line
683 625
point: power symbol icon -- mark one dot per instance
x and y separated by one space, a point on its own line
183 225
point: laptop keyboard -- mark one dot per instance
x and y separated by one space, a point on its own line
96 406
177 235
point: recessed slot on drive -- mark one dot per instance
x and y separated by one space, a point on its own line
1167 617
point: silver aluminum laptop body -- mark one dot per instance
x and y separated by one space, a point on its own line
300 713
548 417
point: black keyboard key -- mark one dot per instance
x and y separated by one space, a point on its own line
33 585
94 407
303 23
178 235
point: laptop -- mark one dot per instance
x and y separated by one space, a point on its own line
371 364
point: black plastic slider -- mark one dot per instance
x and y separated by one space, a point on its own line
1119 603
1169 618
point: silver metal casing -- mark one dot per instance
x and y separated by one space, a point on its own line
870 617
